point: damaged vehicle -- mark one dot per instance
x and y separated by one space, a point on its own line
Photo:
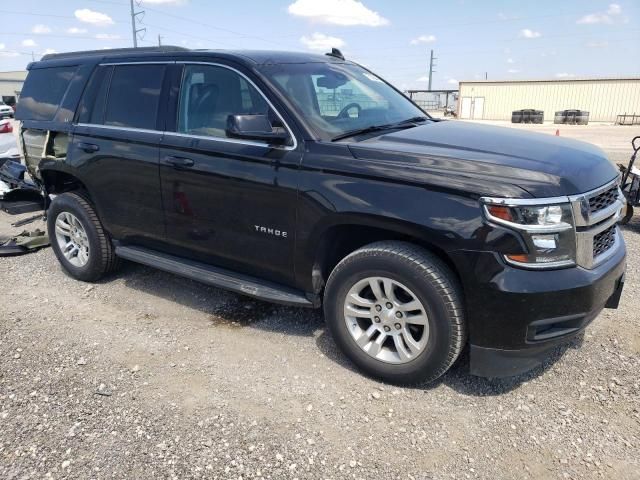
8 142
310 181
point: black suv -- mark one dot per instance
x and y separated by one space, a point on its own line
308 180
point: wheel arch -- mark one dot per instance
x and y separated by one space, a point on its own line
340 238
58 181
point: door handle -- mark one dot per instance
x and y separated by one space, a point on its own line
88 147
179 162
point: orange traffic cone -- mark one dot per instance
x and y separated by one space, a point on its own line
557 132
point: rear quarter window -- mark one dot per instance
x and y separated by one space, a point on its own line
43 92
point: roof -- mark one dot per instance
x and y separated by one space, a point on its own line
257 57
15 76
554 80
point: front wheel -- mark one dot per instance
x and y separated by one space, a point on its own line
396 311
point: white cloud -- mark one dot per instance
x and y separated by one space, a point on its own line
452 81
595 18
424 78
107 36
513 70
510 60
596 44
165 2
423 39
91 16
614 10
320 41
6 54
50 50
565 75
28 43
337 12
76 30
40 29
527 33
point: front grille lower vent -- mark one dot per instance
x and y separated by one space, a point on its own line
603 241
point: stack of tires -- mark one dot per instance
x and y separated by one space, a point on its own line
571 117
527 115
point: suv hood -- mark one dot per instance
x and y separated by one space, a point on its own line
543 165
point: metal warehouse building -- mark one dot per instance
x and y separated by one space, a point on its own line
11 84
603 98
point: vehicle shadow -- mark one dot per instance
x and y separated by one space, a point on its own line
458 377
223 308
228 309
633 225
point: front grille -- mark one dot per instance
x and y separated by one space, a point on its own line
603 200
604 240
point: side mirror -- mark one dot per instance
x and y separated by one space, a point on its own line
255 127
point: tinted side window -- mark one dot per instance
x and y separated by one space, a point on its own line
93 101
134 95
43 91
209 94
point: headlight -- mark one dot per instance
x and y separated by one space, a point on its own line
547 230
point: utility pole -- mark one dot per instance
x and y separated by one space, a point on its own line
159 40
134 30
431 70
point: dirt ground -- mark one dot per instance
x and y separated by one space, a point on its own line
148 375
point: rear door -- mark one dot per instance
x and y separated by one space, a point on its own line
465 108
116 146
228 202
478 108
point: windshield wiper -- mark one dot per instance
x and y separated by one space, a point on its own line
408 123
416 119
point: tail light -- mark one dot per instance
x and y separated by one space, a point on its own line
6 127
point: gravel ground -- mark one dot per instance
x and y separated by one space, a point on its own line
148 375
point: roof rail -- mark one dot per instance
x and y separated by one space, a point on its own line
112 51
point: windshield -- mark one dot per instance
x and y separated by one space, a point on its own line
340 98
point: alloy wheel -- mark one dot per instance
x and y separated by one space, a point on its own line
72 239
386 320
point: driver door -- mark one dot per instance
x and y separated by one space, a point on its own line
227 202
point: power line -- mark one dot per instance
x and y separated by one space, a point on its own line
208 25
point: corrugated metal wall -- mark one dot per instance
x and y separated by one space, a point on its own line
604 99
11 82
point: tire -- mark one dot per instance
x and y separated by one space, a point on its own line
100 255
413 271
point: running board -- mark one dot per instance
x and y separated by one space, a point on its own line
217 277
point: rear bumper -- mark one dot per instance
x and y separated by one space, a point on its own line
516 317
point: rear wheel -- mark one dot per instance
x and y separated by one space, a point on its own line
396 311
78 239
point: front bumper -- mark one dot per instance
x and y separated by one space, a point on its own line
516 316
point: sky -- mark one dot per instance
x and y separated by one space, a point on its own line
499 39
